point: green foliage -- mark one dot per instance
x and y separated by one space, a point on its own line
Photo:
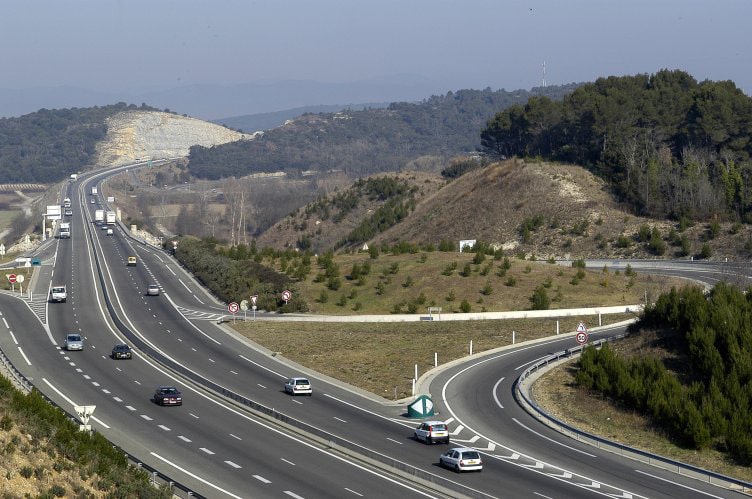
705 251
510 282
713 332
465 306
663 141
449 269
579 264
230 279
656 244
539 299
446 245
373 252
342 300
48 145
460 166
451 296
408 282
323 297
487 289
368 141
530 225
467 270
478 258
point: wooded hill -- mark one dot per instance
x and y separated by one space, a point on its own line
668 145
365 142
50 144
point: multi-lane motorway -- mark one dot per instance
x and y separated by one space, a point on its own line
219 448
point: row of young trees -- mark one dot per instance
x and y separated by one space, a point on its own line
708 403
670 146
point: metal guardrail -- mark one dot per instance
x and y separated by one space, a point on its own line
528 403
334 442
157 478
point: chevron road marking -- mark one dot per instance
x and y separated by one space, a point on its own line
457 430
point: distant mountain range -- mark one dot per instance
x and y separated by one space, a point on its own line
213 102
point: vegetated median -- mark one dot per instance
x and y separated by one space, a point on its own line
673 387
381 357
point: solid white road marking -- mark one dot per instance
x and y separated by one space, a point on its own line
262 367
678 484
24 356
204 449
288 462
67 399
195 476
261 479
552 440
236 466
531 362
495 388
185 439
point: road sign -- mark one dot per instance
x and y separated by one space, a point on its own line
20 278
581 338
233 308
244 305
2 249
12 277
581 328
286 295
254 299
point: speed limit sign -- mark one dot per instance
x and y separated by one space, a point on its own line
581 337
233 308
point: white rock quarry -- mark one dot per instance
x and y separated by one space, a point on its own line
136 135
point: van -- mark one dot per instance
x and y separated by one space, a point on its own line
131 261
58 294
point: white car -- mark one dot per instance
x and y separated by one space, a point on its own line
461 459
432 431
73 341
295 386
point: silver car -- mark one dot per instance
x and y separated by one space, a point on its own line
152 290
297 385
73 341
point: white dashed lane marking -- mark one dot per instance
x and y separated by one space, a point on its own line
163 427
184 439
236 466
288 462
204 449
146 417
130 407
261 479
235 436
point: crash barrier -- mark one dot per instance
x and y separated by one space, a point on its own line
521 394
156 477
334 442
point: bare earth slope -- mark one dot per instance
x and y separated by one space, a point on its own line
134 135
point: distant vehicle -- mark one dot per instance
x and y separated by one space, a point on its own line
98 217
121 351
103 227
65 230
74 177
168 395
68 213
93 191
295 386
432 431
152 290
131 261
58 294
111 217
109 232
92 201
73 342
461 459
66 203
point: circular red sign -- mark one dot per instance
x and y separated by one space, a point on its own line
233 307
581 338
12 278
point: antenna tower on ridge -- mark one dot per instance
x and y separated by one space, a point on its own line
544 74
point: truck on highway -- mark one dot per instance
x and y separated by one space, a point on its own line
93 191
58 293
98 217
74 177
110 218
64 230
66 203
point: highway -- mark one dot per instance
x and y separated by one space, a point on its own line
219 448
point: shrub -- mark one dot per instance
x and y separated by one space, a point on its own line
706 252
380 288
623 241
408 282
446 245
323 297
465 306
26 471
467 270
451 296
487 289
478 258
540 300
511 282
342 300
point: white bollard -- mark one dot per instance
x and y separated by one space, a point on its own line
435 359
557 328
416 371
471 347
600 323
413 387
513 337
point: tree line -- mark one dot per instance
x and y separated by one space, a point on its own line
369 141
668 145
48 145
707 400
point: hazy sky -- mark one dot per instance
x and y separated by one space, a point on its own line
129 45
